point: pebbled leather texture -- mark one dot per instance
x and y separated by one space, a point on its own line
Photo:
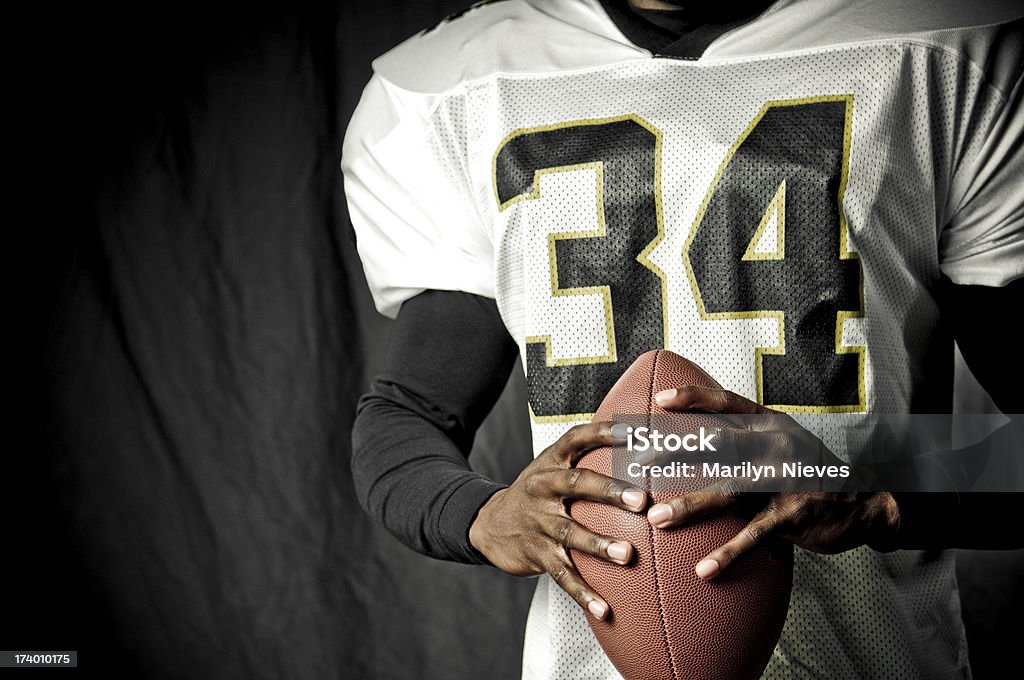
665 622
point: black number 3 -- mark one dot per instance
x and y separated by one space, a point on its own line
611 261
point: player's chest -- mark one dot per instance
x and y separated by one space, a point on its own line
726 213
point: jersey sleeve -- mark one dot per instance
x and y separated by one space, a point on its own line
409 197
983 241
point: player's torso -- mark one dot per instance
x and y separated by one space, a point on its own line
774 220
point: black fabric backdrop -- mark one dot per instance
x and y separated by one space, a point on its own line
196 330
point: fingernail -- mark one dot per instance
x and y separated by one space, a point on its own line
620 431
598 609
706 568
645 457
659 513
665 396
618 551
634 498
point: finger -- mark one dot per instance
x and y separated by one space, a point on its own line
570 534
566 576
593 486
579 439
692 397
695 505
762 526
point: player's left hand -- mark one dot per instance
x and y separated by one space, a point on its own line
823 522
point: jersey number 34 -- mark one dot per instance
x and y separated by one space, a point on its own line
787 170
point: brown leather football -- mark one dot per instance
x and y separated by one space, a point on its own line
665 622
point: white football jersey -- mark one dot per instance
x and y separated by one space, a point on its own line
779 211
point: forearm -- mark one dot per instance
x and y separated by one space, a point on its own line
412 477
448 361
964 498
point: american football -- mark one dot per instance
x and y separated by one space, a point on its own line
665 622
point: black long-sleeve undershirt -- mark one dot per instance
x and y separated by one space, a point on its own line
448 361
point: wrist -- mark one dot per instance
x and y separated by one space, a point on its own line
929 520
478 534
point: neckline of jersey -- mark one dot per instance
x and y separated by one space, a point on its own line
689 45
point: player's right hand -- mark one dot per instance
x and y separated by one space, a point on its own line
526 529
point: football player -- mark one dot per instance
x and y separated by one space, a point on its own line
807 198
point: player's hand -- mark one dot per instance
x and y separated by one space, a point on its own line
526 529
823 522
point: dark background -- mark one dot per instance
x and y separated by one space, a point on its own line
192 330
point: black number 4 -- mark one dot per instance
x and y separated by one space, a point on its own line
787 170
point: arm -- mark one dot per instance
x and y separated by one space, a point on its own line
936 520
833 522
449 359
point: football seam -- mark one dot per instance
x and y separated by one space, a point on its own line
650 530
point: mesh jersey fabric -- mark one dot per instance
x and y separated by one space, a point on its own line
778 211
